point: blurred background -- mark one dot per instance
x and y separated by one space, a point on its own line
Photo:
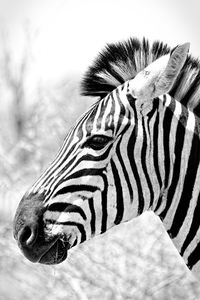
45 48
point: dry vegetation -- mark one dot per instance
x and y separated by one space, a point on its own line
132 261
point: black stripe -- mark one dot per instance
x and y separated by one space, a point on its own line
196 110
91 157
67 207
90 121
194 257
118 152
144 166
58 206
80 228
150 116
131 99
193 228
166 141
154 109
76 188
179 142
93 216
122 86
122 111
111 114
155 149
82 173
188 185
131 146
75 242
119 194
103 107
104 204
160 199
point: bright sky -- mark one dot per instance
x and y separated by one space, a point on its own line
71 32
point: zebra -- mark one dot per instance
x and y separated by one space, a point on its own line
137 148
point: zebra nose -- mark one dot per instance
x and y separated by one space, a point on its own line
28 219
28 235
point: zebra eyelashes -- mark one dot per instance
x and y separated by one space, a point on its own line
97 142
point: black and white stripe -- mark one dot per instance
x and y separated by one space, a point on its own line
118 162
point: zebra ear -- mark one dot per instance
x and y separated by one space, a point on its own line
158 77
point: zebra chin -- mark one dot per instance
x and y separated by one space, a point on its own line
55 255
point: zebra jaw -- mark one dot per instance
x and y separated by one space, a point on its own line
56 254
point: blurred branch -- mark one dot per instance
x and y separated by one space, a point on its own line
14 69
164 283
15 82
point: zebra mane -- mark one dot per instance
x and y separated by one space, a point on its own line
120 62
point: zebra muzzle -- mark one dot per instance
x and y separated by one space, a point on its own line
45 252
29 232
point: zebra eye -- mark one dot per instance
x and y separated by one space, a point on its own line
97 142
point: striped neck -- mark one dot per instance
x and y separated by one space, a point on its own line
179 203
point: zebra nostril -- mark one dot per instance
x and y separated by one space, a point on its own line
28 235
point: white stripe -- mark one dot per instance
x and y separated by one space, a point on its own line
178 109
168 99
106 112
190 122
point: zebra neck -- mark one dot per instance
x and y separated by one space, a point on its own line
179 202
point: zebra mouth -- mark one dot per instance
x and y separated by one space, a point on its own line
56 254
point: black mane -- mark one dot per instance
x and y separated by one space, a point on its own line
120 62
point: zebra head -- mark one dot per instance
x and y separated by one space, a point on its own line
94 182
